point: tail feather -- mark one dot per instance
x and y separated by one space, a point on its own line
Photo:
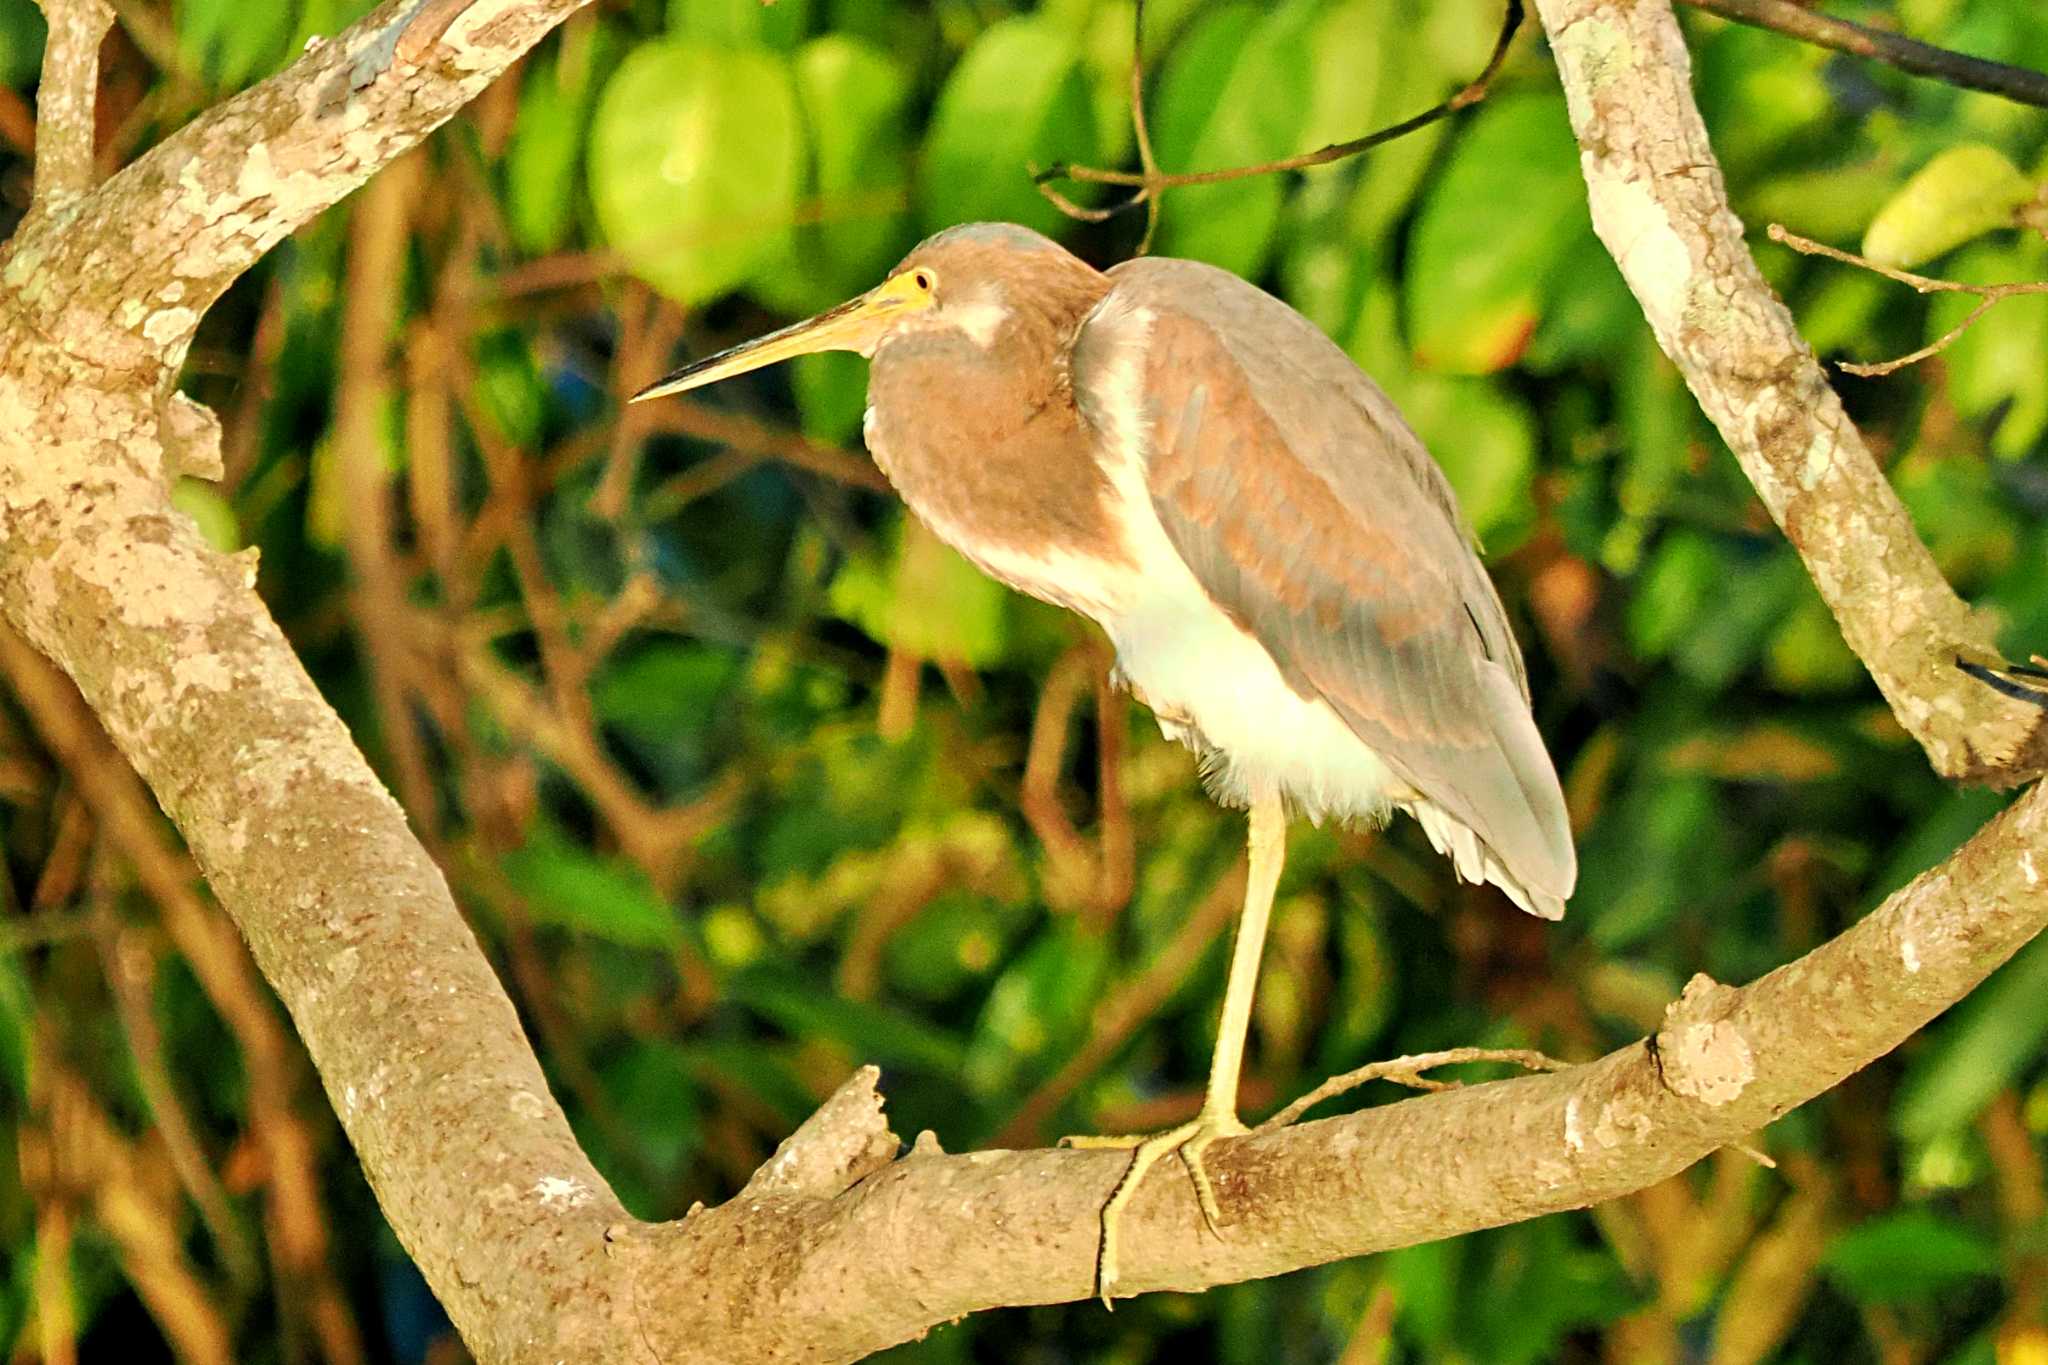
1474 862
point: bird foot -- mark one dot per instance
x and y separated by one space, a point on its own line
1190 1139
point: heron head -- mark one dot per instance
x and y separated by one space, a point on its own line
969 280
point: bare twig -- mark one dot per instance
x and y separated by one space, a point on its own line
67 100
1149 182
2015 83
1985 294
1409 1071
1139 127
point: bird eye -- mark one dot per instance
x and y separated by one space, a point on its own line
924 281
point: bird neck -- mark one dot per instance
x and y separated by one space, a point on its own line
984 441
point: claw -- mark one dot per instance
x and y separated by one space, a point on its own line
1190 1139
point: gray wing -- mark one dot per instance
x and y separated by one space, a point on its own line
1312 514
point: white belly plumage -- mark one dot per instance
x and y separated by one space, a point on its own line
1213 686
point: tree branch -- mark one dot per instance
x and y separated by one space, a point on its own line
67 100
1660 205
209 201
834 1249
2015 83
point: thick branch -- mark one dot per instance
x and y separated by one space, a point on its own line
1661 207
67 100
188 218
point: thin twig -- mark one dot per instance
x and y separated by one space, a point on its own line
67 100
1139 127
1408 1071
2015 83
1150 182
1986 295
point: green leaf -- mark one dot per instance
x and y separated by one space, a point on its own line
888 1036
1911 1254
1492 241
1482 436
952 944
546 151
1215 110
1807 654
1833 203
1408 83
213 514
664 689
568 886
1987 1043
1995 368
232 42
21 41
855 99
926 600
696 165
1017 98
741 23
1347 62
1037 1009
1961 194
1485 439
831 390
17 1036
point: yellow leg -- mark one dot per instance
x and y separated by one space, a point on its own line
1268 839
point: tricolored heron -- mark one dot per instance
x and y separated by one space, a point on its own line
1280 564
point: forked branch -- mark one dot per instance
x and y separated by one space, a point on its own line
1985 294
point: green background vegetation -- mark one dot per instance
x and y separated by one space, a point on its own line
727 763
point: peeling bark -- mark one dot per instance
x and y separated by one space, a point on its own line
838 1247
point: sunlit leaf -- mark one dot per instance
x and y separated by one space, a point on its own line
741 23
855 99
1214 111
1490 244
925 599
1963 193
545 154
1995 368
1018 98
229 41
696 164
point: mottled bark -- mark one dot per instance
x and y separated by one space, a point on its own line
1661 207
838 1246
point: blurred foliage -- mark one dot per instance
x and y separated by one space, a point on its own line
745 781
